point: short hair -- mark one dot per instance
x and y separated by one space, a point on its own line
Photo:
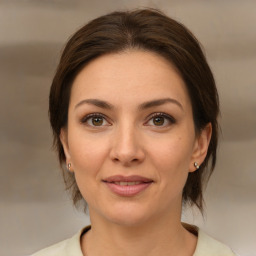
148 30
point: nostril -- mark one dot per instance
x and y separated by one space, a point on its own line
126 156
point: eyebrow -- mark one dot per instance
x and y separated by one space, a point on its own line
159 102
149 104
96 102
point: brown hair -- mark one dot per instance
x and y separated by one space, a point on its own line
150 30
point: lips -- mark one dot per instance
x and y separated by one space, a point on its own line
127 185
133 178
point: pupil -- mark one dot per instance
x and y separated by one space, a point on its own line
97 121
158 121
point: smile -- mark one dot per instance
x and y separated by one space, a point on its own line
127 186
126 183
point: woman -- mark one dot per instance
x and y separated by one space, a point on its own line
133 108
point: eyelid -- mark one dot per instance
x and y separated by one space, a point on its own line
91 115
170 118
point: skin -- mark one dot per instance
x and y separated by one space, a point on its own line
129 141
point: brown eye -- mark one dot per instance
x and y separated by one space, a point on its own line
97 121
158 121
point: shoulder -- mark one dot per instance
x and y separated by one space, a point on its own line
56 249
68 247
207 245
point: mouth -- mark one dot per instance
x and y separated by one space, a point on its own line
127 185
127 179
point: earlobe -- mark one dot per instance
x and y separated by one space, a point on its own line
64 142
201 148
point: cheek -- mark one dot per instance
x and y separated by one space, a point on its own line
172 152
87 153
88 156
171 159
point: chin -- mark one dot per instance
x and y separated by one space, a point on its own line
128 220
128 214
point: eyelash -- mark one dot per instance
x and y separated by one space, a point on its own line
170 119
95 115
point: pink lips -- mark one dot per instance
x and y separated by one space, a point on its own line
127 186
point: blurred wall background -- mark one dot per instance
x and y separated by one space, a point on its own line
34 210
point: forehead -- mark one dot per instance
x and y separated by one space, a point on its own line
132 75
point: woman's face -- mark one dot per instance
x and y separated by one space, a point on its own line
130 137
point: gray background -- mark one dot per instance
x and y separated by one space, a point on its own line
35 212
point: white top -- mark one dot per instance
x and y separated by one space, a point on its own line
206 246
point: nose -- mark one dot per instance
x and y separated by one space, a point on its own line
127 148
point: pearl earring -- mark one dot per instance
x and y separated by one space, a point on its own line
69 166
196 165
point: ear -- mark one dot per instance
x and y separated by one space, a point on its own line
201 145
64 142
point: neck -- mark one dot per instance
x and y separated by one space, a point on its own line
165 236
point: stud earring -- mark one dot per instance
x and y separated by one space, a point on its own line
196 165
69 166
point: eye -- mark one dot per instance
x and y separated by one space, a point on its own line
95 120
160 119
